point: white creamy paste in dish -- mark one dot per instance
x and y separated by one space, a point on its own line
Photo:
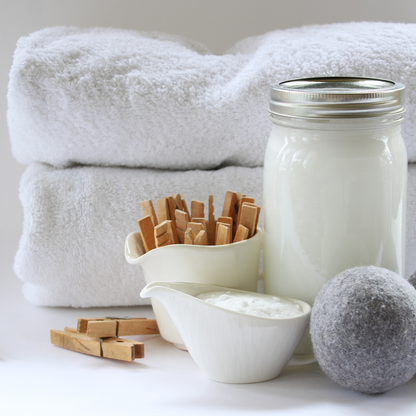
264 306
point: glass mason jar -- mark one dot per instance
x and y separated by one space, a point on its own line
335 182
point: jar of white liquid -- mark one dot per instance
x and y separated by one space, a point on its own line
335 178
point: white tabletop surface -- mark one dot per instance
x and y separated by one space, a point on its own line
38 378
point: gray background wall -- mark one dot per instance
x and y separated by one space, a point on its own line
217 23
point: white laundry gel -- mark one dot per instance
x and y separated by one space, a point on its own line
251 304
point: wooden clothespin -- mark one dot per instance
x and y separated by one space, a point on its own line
178 201
116 327
211 221
165 234
248 218
172 231
230 201
241 234
182 220
116 348
162 210
196 227
148 209
201 238
222 234
201 221
225 221
242 200
172 207
185 208
197 209
147 231
99 337
237 207
162 237
189 236
257 219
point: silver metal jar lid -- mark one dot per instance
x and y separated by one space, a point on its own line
337 97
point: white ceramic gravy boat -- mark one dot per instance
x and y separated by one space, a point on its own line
228 346
232 265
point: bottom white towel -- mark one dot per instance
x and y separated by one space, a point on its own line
76 220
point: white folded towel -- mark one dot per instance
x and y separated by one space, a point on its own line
411 222
117 97
76 221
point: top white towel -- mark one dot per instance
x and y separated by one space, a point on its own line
116 97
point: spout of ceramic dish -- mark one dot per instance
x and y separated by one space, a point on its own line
168 295
176 297
157 290
133 248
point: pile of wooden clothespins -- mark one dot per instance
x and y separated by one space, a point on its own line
172 223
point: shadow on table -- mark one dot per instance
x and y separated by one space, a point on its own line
302 387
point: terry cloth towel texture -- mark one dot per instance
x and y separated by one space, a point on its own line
117 97
76 221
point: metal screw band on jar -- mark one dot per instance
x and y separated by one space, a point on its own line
337 97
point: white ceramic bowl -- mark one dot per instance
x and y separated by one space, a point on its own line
228 346
233 265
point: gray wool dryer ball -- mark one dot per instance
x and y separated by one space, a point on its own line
412 280
363 329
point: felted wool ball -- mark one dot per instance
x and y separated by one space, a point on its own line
412 280
363 329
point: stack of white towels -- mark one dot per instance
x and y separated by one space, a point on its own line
107 118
